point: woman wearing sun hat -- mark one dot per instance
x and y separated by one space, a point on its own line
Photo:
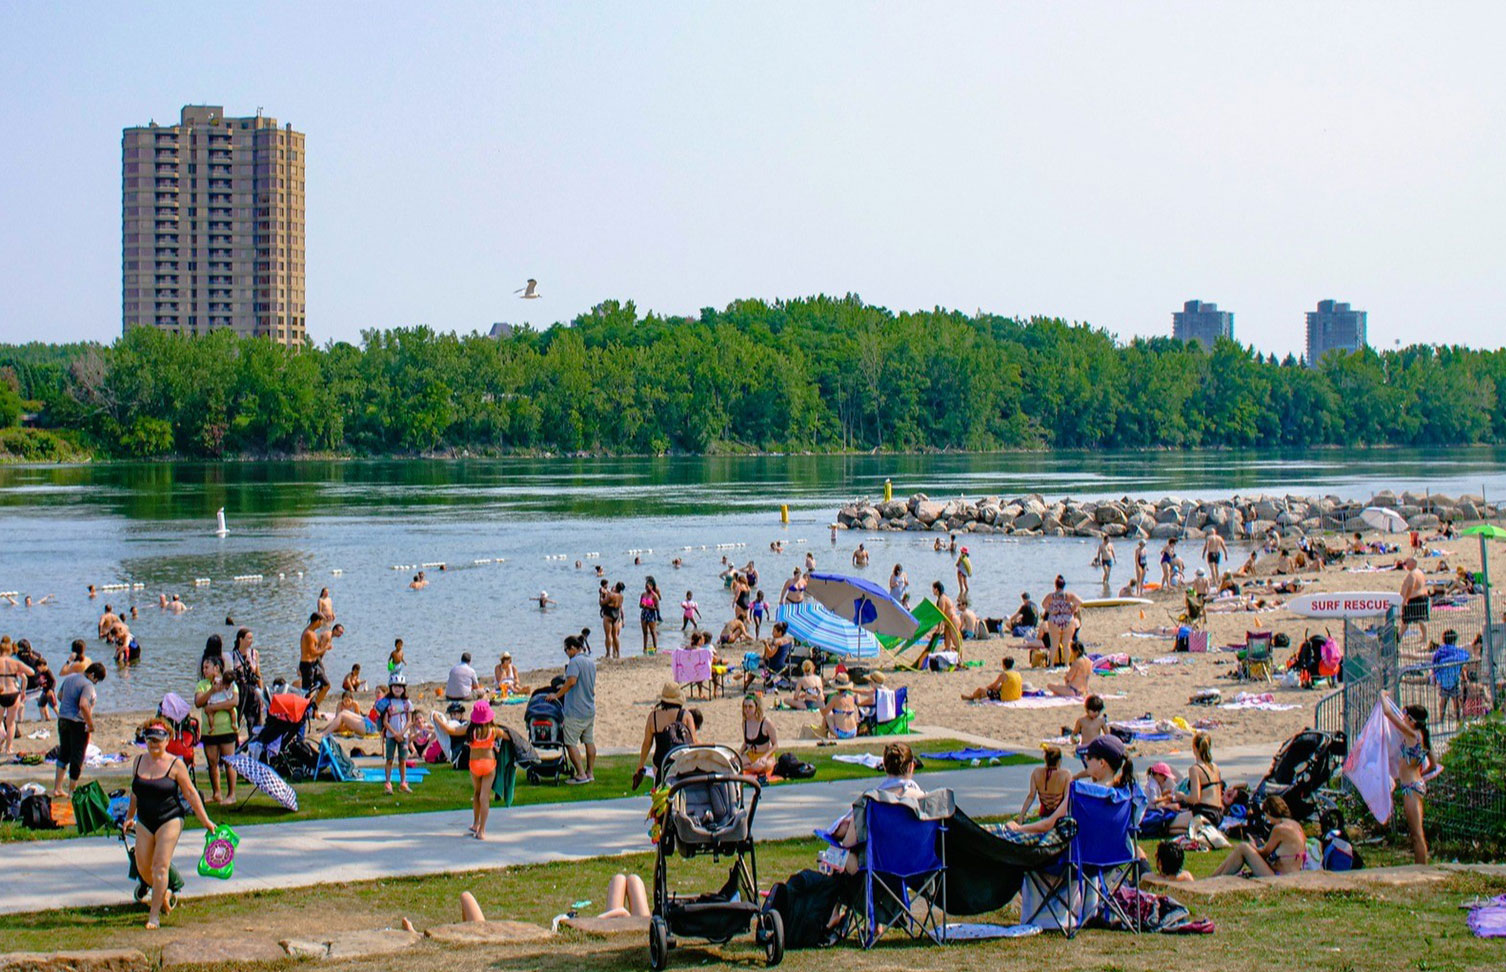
669 724
481 737
839 718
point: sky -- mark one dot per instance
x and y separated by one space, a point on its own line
1098 161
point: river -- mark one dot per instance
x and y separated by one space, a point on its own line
297 523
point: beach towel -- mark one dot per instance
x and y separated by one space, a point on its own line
971 931
373 774
971 753
1265 701
1036 702
1374 760
870 760
692 665
1487 920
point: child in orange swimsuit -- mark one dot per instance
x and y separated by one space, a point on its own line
481 737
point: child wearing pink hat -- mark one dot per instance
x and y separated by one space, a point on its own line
481 737
1161 785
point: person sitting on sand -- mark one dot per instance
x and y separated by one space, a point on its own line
1022 623
1090 725
1169 869
1285 853
972 625
1247 569
839 717
809 693
1008 687
506 674
1078 673
1048 784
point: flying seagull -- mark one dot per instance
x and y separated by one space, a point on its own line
528 292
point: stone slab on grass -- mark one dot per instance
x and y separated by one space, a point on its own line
1405 876
1210 888
352 944
1488 870
629 925
488 932
212 951
83 960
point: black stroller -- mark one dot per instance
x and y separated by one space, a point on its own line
546 718
708 811
1302 768
281 742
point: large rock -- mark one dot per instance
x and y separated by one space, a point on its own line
489 932
1466 510
1165 531
893 509
352 944
1261 526
1267 510
928 512
217 951
1029 520
1409 509
80 960
1423 521
913 503
1115 530
629 925
1168 514
1108 515
870 521
1142 522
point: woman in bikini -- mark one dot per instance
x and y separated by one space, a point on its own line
13 676
1205 796
1062 619
648 615
760 740
1285 853
839 717
1416 764
1048 783
162 794
611 619
481 736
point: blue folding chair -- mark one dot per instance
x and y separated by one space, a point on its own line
1101 859
901 854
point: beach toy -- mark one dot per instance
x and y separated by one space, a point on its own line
218 859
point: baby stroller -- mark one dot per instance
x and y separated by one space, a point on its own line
1302 767
280 742
185 729
707 810
546 719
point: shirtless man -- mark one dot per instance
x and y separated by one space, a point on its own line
860 556
733 631
1105 558
107 622
1414 600
176 605
1214 549
311 652
326 606
1200 584
419 582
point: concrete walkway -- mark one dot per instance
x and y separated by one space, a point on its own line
92 871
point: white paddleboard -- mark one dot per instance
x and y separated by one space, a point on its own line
1108 602
1344 604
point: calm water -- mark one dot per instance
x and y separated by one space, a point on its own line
62 528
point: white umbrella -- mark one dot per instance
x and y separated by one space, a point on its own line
1384 519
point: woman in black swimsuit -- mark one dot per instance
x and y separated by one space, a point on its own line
13 676
161 796
1205 781
669 726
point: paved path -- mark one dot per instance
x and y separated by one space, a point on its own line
92 871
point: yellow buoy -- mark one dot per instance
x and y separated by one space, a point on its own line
784 513
888 491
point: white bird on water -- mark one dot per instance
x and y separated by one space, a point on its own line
528 292
219 519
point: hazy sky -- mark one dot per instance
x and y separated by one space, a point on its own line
1098 161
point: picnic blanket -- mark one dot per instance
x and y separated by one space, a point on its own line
968 754
1265 701
870 760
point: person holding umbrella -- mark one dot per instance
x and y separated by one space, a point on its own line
161 795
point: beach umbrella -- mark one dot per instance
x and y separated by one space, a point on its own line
1384 519
264 778
814 625
864 603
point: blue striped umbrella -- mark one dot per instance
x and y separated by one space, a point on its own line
813 624
862 602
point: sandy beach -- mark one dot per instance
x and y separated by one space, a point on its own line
1158 686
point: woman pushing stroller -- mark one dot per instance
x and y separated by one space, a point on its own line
162 794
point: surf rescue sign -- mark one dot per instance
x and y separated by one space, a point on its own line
1344 604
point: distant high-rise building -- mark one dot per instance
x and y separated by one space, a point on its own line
1333 327
1201 322
501 330
212 224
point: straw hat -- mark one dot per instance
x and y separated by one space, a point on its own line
876 678
671 693
842 681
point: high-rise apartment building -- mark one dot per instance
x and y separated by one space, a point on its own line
212 225
1202 322
1333 327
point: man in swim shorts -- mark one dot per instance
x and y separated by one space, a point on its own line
311 652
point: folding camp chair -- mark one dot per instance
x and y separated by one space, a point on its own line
902 854
1258 662
890 715
1100 860
929 617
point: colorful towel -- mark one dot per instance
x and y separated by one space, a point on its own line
1489 919
1266 702
870 760
373 774
966 755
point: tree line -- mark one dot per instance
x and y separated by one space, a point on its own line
820 373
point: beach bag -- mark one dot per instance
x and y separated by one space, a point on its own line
804 903
218 859
791 767
10 802
91 809
36 812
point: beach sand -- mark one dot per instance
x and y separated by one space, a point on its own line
627 688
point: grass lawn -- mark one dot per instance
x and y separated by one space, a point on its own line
445 789
1382 928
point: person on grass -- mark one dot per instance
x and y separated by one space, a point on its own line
219 697
161 795
1284 853
1413 771
397 728
481 736
1048 784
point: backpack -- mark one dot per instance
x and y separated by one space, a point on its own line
36 812
10 802
791 767
804 903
